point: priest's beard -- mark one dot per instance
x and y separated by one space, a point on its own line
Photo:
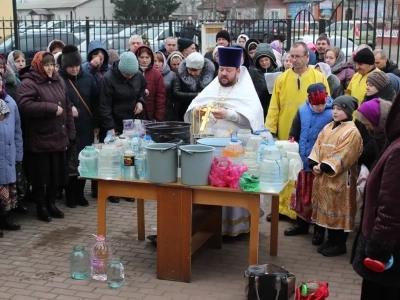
227 82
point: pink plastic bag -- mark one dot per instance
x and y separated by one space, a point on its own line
224 173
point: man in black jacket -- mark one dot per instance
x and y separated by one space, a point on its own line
383 62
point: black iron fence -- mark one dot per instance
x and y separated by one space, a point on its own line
347 26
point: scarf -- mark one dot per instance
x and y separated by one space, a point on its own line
11 63
37 63
4 110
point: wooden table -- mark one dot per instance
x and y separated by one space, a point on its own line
175 202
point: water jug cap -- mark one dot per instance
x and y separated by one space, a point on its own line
122 136
148 137
135 135
99 238
271 142
109 133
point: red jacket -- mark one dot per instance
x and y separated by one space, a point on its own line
155 101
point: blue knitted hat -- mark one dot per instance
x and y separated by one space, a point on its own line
230 57
128 63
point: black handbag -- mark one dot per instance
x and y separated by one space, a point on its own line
22 185
275 283
72 157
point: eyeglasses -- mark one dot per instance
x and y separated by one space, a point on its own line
296 57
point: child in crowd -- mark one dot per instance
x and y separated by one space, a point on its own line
333 161
310 119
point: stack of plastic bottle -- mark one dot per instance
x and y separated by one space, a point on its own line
109 159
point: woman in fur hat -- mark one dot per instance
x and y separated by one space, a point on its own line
83 95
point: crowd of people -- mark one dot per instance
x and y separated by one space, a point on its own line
343 113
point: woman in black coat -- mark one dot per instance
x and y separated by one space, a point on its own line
83 95
379 235
264 62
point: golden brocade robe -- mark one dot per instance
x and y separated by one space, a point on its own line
334 194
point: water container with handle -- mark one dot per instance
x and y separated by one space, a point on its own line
88 162
271 169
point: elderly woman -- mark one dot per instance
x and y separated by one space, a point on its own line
48 128
11 151
83 95
194 74
334 83
379 234
379 86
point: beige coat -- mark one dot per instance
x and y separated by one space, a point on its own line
334 194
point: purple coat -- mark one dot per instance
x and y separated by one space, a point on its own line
345 74
38 100
10 143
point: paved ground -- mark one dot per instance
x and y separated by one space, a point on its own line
34 261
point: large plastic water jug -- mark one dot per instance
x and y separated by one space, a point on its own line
88 161
288 146
271 169
109 161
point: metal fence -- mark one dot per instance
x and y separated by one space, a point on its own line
348 26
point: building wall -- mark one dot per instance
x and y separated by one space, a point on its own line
92 9
6 13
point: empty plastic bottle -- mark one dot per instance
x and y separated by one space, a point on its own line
109 138
260 152
135 143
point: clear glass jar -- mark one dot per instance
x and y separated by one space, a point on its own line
115 273
79 263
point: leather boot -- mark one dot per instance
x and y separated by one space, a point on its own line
40 195
319 235
301 227
79 193
51 203
20 209
7 223
338 246
70 199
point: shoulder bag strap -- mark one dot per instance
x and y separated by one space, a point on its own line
80 97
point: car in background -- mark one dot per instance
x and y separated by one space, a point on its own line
361 32
346 45
106 30
24 26
32 42
155 36
302 27
124 35
264 30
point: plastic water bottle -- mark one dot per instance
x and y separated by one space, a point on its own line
109 138
149 140
260 152
129 164
79 263
115 273
135 143
140 166
271 169
250 160
100 255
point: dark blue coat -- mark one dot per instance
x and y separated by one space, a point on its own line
97 74
306 126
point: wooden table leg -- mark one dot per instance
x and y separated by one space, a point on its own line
140 218
273 242
254 209
174 231
101 207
